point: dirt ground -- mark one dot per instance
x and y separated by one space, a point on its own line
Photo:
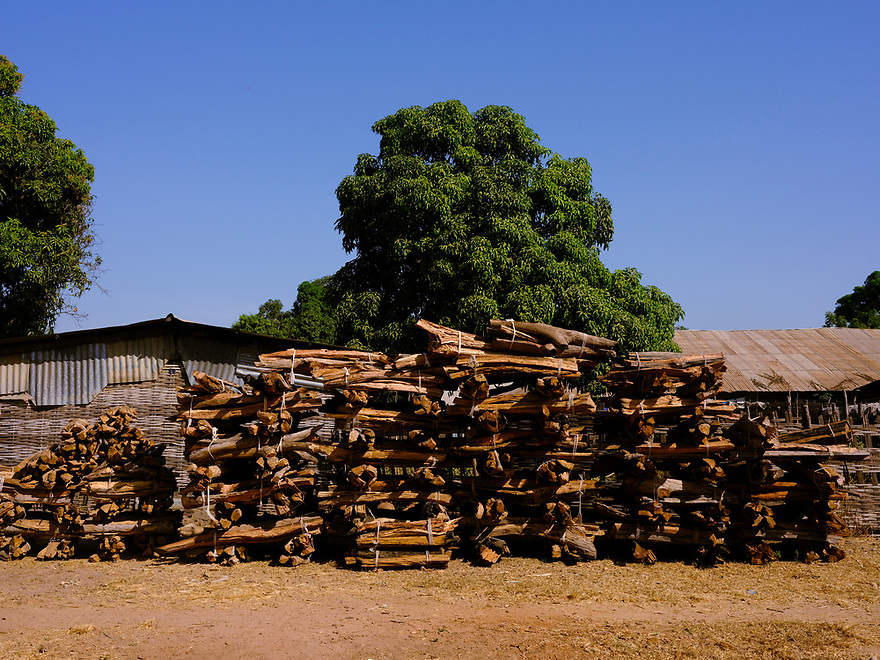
519 608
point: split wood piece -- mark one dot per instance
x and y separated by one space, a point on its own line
248 492
651 360
837 433
669 405
359 440
61 549
238 447
427 477
338 498
297 551
784 535
568 343
555 471
495 366
389 533
424 439
528 488
448 342
337 454
492 421
361 476
492 511
759 554
10 510
576 537
755 514
210 384
758 433
424 405
345 377
238 412
642 555
39 528
475 388
705 470
524 452
526 403
378 560
694 430
659 452
491 550
110 548
432 388
258 532
660 487
281 360
841 453
125 526
784 491
219 400
392 420
13 547
480 442
127 489
661 534
648 377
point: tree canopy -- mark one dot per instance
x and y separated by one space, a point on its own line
859 309
46 237
309 319
463 217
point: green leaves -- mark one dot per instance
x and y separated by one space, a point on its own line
463 217
859 309
46 254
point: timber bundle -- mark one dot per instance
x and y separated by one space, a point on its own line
700 475
246 475
104 481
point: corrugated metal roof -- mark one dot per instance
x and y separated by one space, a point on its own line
219 358
808 360
76 374
73 367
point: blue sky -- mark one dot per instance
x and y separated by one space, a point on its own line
738 143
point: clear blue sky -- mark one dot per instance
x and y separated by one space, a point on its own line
738 142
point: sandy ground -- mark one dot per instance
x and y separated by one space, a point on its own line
519 608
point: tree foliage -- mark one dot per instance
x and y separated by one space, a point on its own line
463 217
46 236
309 319
859 309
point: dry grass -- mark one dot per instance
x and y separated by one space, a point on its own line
517 609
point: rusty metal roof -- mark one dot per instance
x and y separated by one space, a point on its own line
809 360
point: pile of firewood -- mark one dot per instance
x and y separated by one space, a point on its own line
500 459
104 480
696 474
247 479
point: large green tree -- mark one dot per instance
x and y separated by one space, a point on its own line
46 236
463 217
859 309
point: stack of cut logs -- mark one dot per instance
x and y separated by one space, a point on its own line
485 445
499 465
694 473
247 479
104 480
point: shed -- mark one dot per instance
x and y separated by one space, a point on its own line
46 381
